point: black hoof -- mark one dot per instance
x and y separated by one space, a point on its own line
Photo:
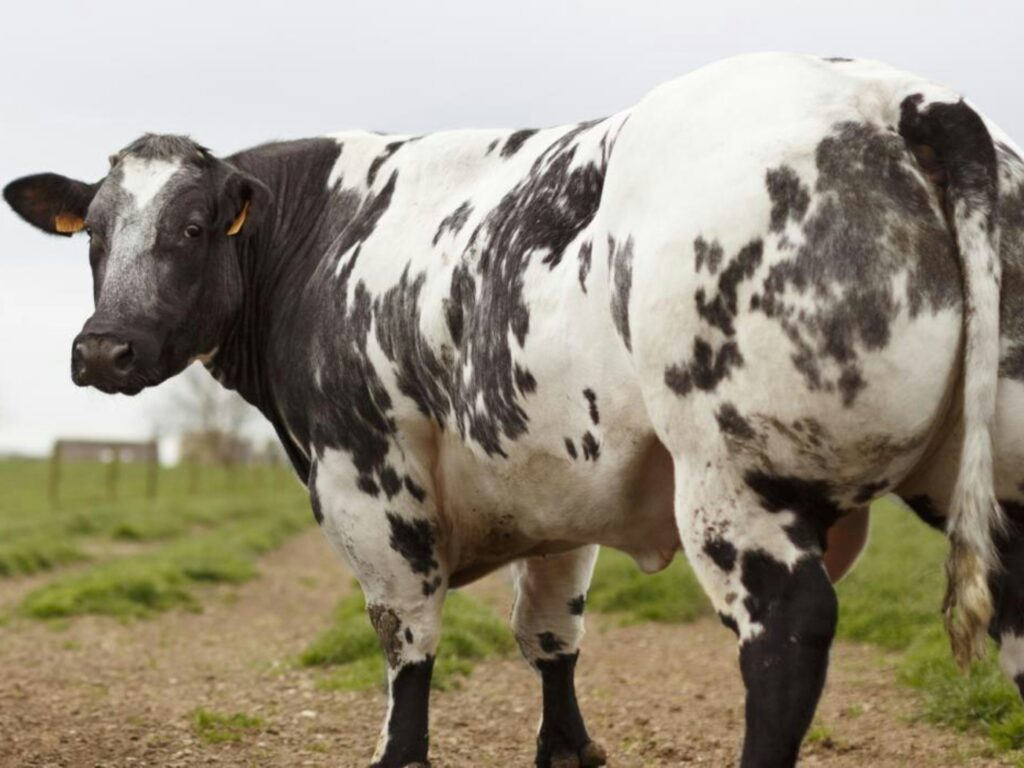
590 756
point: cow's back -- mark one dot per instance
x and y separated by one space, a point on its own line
751 254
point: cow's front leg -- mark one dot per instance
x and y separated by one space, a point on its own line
755 542
548 623
386 529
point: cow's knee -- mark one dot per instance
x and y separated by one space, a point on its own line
547 620
547 616
408 632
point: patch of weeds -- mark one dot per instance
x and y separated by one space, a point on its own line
26 555
470 632
983 699
1008 733
820 733
147 528
215 728
123 588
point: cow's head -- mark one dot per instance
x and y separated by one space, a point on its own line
163 228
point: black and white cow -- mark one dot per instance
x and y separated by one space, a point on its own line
722 320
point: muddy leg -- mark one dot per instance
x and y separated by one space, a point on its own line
409 642
389 538
548 623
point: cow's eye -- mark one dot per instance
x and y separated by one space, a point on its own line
193 230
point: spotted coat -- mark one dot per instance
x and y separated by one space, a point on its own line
719 321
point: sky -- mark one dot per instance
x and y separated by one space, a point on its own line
80 80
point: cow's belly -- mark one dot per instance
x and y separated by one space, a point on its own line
540 500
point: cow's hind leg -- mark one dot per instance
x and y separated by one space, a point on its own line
1007 625
755 541
548 623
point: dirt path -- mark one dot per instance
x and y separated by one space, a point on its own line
101 693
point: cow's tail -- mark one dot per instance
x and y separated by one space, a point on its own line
957 152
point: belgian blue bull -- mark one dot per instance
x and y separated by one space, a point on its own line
723 321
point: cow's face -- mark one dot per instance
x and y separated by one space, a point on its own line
163 228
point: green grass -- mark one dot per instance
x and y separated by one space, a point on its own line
895 592
37 534
621 588
214 728
820 733
471 632
40 552
137 556
140 585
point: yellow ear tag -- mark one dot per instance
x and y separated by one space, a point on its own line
236 225
68 223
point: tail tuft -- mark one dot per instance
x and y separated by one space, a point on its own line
968 605
957 138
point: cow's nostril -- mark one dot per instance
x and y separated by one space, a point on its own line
122 356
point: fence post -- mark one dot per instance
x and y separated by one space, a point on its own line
112 475
55 459
153 468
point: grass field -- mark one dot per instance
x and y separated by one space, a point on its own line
130 557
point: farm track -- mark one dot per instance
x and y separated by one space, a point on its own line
98 692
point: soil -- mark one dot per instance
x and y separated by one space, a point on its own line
99 692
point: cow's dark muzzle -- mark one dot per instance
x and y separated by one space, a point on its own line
107 361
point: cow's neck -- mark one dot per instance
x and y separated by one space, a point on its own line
277 262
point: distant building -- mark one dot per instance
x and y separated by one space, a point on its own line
106 451
113 453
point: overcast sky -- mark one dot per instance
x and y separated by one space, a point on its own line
80 80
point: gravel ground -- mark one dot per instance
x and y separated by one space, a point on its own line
98 692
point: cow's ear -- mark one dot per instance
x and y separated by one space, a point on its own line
51 202
246 201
